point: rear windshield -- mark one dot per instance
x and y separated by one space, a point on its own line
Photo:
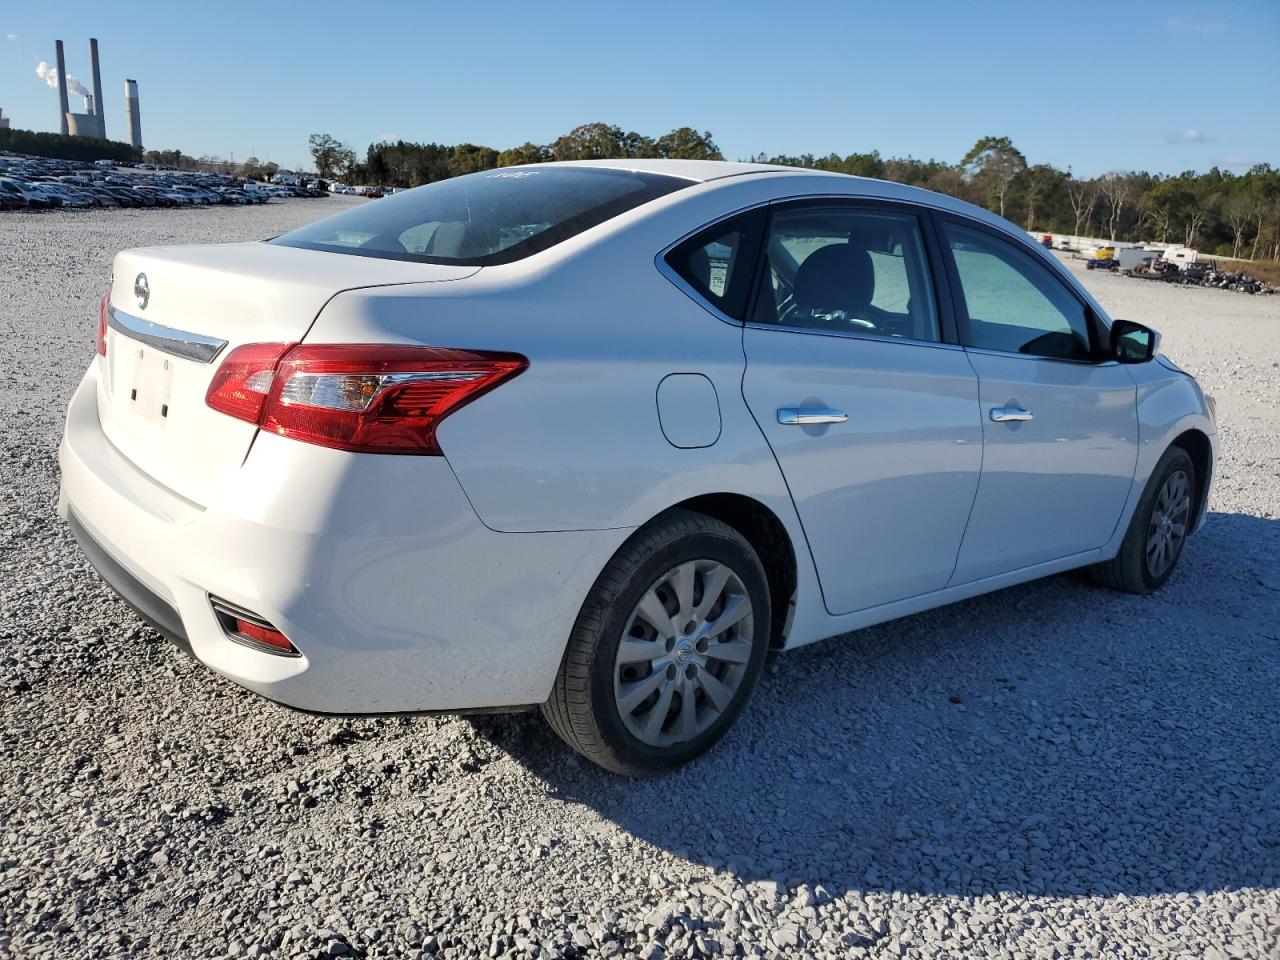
484 218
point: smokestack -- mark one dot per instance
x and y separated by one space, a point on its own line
97 86
135 116
62 89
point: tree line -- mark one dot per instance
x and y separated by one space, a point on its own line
58 147
1219 212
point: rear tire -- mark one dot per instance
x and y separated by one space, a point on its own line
1158 530
641 698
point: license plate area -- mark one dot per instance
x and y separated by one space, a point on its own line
145 390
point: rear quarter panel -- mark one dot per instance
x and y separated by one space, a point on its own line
575 441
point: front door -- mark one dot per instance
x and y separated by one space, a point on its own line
1059 422
872 416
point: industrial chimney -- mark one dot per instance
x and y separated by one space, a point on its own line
62 89
97 88
132 111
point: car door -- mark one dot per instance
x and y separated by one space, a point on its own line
1060 429
871 413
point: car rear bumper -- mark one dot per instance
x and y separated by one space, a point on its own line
376 568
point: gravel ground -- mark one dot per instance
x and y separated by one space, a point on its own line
1051 771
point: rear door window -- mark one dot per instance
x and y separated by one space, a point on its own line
496 216
848 270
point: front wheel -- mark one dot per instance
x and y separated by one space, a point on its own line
1158 530
667 647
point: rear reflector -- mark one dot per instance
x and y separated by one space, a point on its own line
248 628
369 398
103 304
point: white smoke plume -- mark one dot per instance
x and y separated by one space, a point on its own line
50 76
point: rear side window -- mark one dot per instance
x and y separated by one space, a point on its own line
717 263
492 217
1015 305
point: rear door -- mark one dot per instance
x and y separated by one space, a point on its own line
1059 422
871 412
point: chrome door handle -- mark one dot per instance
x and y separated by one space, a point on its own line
1005 414
807 415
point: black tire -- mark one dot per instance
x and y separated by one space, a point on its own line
1131 570
583 708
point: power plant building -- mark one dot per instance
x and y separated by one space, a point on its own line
91 122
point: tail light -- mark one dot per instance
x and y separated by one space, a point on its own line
103 306
370 398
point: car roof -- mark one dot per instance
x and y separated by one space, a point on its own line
706 171
699 171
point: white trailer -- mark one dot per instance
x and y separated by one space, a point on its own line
1130 258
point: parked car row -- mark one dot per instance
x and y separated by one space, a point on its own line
40 183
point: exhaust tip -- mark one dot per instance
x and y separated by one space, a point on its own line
247 628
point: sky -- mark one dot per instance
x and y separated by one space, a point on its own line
1092 87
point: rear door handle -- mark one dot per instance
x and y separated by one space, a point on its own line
807 415
1005 414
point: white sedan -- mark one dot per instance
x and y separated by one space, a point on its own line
599 436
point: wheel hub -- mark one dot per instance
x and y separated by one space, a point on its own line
1168 525
684 653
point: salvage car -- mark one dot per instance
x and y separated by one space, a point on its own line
597 437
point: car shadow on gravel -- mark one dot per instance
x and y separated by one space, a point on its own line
1054 738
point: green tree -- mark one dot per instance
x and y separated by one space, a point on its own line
524 154
331 156
468 158
993 163
600 141
686 143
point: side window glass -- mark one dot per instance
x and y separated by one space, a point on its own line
847 271
718 262
1014 304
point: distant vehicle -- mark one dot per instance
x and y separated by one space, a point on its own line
24 195
600 436
1047 241
104 164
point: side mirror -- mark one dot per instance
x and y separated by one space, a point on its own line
1132 342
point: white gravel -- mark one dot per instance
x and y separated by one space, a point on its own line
1052 771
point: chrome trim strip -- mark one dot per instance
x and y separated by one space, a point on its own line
987 352
851 335
179 343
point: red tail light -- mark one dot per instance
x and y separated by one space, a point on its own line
241 385
103 304
369 398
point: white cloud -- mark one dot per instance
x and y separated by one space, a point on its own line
1235 163
11 36
389 137
1193 25
1190 135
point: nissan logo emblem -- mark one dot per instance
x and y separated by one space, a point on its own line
142 290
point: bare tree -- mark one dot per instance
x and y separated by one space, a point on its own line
1258 214
1239 213
1115 191
1083 196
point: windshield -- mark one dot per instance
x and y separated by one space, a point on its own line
492 217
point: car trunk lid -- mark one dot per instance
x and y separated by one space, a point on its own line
176 312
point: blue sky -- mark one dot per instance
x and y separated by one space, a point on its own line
1090 86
